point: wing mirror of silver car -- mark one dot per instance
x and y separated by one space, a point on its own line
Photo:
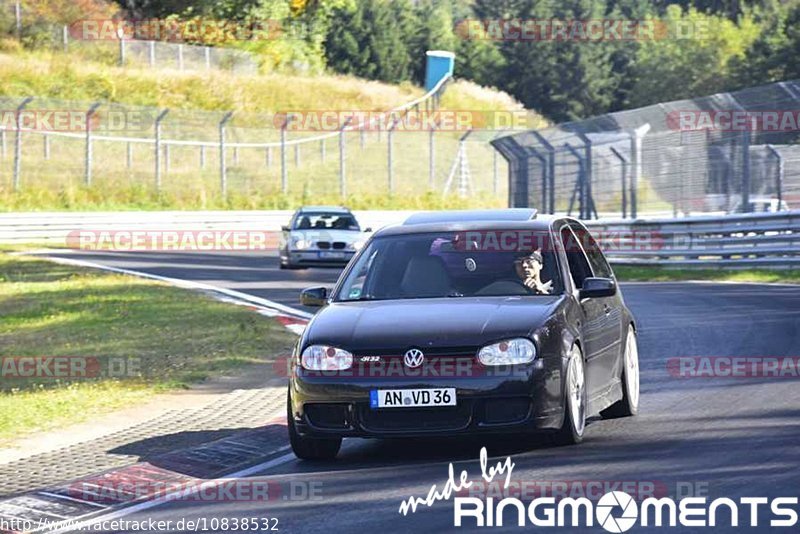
314 296
597 288
368 229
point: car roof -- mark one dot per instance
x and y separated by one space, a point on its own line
471 220
511 214
323 209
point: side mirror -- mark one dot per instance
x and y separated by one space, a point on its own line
594 288
285 228
368 229
314 296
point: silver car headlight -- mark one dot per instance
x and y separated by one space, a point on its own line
508 352
300 244
325 358
356 245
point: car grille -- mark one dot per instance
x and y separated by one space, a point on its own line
419 419
327 245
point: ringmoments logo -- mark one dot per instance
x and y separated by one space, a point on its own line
615 511
618 511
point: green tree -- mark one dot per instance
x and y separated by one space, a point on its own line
697 65
369 40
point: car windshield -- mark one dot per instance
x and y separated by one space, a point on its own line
326 221
454 264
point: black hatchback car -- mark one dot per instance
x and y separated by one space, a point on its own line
465 322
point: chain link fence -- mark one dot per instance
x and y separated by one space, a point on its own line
60 146
725 153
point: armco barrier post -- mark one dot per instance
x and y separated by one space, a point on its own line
88 156
223 171
18 139
157 153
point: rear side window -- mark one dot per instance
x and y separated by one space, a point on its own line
595 256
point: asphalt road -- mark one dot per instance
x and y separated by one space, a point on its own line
719 437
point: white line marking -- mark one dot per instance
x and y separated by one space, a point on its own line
187 284
165 499
67 498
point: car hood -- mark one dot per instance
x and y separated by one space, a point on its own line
394 325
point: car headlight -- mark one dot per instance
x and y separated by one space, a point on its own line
299 243
325 358
356 245
508 352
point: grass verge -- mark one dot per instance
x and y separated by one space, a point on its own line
661 274
129 338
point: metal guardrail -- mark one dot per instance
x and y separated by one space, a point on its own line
54 227
753 240
762 240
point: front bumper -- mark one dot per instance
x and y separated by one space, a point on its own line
317 257
521 399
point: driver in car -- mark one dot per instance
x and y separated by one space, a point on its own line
529 270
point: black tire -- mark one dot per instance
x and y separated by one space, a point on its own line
570 432
307 448
628 405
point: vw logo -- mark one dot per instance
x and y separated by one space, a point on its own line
413 358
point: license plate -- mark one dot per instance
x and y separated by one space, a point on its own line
411 398
331 255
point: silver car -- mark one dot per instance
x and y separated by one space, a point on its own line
320 235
